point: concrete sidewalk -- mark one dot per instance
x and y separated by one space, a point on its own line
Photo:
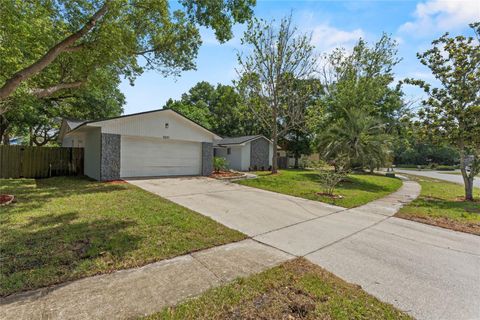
430 272
137 292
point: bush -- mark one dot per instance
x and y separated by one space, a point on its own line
330 179
410 166
445 168
219 164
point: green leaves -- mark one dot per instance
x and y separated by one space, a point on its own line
362 79
451 111
359 110
355 141
275 74
219 109
92 34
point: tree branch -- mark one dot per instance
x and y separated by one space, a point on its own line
65 45
75 48
45 92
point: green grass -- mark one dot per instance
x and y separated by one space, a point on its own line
294 290
357 190
441 203
63 228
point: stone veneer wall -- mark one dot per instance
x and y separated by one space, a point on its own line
259 153
110 157
207 158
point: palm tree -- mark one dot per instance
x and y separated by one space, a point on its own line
355 141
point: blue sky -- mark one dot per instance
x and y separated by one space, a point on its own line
414 24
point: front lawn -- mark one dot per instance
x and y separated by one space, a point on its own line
297 289
441 204
357 190
63 228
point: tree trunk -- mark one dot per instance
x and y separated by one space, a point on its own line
467 179
275 141
469 189
296 162
274 155
4 138
30 137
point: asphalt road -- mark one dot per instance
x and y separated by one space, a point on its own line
440 175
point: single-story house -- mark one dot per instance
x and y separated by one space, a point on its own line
245 153
153 143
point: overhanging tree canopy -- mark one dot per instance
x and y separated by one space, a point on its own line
47 46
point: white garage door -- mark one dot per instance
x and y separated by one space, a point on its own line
143 157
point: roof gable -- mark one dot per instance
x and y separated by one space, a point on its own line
145 115
239 140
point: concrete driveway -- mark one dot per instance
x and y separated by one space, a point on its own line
430 272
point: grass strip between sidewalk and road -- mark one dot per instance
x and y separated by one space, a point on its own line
296 289
442 204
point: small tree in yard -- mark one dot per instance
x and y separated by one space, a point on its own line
219 164
280 60
451 112
330 179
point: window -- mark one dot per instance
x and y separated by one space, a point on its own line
229 151
166 125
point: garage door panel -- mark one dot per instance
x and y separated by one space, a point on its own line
158 157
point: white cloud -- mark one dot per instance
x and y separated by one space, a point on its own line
325 37
435 16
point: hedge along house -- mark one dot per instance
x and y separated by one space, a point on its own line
147 144
245 153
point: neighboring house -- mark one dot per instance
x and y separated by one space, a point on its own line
245 153
311 157
154 143
67 126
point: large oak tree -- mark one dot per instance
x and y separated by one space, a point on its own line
48 46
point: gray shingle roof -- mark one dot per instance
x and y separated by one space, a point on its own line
236 140
73 123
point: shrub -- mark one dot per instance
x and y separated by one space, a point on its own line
330 179
446 168
410 166
219 164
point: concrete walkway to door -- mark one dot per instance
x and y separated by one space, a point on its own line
430 272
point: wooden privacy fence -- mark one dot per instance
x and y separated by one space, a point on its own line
39 162
282 162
